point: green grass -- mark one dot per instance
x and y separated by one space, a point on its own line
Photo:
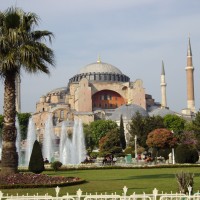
113 180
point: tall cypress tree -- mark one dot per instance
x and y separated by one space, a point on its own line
121 133
36 164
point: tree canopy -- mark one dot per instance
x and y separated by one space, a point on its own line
174 123
122 134
22 47
110 143
99 128
23 123
142 126
161 138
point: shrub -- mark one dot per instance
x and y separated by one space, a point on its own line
129 150
186 154
56 165
36 164
184 180
94 154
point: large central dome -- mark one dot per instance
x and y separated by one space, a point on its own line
99 67
100 72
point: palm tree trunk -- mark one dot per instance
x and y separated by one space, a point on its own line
9 163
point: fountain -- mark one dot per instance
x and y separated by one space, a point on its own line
31 137
72 150
65 154
18 142
49 140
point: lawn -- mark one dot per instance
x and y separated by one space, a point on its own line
113 180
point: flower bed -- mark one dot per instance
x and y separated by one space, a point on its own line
30 180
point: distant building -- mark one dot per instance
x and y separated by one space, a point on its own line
101 91
95 92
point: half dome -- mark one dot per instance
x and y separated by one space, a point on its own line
58 91
128 111
161 112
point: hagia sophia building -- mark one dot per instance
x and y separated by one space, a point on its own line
101 91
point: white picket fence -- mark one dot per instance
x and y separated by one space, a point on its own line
80 196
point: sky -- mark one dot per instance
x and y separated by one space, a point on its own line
133 35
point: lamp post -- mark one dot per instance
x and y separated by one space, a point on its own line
173 156
135 147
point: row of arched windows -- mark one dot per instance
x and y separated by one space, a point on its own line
100 77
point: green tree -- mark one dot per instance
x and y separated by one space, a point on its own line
36 163
142 126
22 47
151 123
110 143
174 123
194 126
89 139
100 128
196 123
23 122
137 127
121 133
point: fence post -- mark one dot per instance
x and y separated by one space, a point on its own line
125 189
155 193
79 193
189 190
57 189
1 195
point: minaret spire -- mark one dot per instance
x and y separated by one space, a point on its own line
163 87
163 69
190 79
189 51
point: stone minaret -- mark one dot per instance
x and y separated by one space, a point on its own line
18 93
163 88
190 80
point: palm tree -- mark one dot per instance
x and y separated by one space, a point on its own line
21 47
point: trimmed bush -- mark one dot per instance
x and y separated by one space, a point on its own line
36 164
56 165
186 154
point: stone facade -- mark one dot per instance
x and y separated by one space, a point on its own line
94 93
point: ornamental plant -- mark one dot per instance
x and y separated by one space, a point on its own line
184 179
36 164
186 154
56 165
161 139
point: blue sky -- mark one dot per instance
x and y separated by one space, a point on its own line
133 35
